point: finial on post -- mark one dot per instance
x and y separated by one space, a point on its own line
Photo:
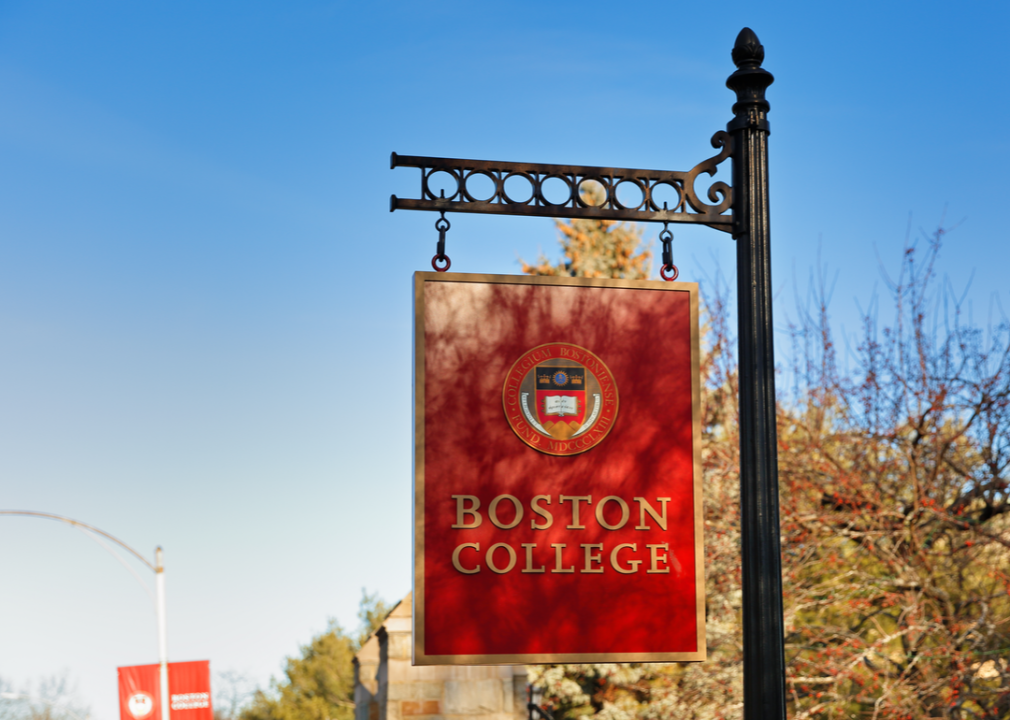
748 50
749 82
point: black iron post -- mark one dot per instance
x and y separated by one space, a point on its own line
764 689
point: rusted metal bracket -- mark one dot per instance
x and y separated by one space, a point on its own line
519 190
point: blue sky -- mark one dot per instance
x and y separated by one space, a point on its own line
205 323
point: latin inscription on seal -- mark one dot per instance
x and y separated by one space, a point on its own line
560 399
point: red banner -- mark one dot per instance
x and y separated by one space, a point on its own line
557 471
188 686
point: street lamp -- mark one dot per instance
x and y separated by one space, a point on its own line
159 589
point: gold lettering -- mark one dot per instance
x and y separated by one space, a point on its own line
656 558
645 507
458 565
529 559
633 563
542 512
575 508
558 548
492 511
625 513
590 558
472 510
527 433
489 558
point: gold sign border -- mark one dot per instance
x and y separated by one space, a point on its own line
418 656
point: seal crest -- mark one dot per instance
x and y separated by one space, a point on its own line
560 399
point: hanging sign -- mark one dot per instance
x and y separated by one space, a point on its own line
188 691
557 484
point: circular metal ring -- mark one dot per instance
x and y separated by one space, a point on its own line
641 188
426 190
599 181
528 178
654 204
562 178
467 194
665 235
435 260
440 227
662 273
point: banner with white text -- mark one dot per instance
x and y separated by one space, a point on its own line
188 686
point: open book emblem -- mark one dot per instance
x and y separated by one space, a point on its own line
560 398
561 395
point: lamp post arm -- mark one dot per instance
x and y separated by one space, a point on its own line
118 557
159 581
78 523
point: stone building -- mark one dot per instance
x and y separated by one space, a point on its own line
388 687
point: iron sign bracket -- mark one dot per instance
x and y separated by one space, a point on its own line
532 196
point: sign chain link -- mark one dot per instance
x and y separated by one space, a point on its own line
666 237
442 225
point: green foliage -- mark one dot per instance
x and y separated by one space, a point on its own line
319 684
372 611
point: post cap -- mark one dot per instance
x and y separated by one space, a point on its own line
748 50
749 81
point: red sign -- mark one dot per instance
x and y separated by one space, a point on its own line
188 690
557 472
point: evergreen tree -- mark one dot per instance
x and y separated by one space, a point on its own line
597 248
319 685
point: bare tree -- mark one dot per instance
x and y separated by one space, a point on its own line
895 498
52 698
232 692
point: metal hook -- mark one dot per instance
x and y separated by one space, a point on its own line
666 237
442 225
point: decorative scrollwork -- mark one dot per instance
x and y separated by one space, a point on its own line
523 189
719 193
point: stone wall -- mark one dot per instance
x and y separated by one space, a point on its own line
366 687
388 687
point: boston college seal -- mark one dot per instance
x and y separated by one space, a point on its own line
560 399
